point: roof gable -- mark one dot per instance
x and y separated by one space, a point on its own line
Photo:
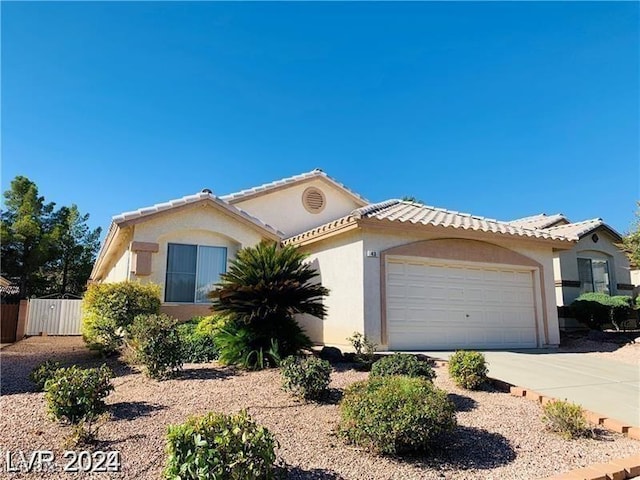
284 183
578 230
142 214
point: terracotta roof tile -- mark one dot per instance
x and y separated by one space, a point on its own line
416 213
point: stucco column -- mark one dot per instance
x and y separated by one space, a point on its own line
22 319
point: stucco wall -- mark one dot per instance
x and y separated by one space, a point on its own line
119 260
339 263
284 210
378 241
605 249
635 277
199 225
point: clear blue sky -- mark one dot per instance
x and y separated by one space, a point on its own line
498 109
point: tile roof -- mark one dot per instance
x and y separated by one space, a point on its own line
541 220
316 173
577 230
189 199
416 213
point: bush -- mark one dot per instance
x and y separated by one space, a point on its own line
197 338
599 309
231 447
265 287
156 344
365 350
306 377
44 372
468 369
395 414
565 418
110 308
402 364
76 394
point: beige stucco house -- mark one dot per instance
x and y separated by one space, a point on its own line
594 264
408 276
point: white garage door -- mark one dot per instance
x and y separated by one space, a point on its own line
437 305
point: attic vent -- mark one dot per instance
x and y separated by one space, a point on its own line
313 200
206 190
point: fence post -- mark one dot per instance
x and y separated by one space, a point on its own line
23 313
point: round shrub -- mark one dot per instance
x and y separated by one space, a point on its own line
402 364
306 377
565 418
110 308
76 394
222 446
395 414
468 369
156 344
44 372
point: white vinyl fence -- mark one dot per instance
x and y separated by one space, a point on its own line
54 317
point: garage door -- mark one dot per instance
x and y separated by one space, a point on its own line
438 305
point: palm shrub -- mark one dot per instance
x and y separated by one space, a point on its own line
109 309
265 287
306 377
156 344
220 446
395 414
402 364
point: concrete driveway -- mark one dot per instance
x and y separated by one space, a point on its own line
603 386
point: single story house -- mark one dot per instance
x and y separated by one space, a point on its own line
408 276
594 264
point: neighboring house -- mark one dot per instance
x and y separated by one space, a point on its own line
594 264
408 276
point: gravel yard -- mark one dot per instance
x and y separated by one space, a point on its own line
629 353
499 436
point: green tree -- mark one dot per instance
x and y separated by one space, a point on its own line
412 199
75 247
25 235
631 241
265 287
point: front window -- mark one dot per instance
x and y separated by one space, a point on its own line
192 272
594 275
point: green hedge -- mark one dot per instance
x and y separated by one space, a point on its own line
599 309
110 308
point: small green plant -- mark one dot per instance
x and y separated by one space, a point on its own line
109 310
395 414
468 369
306 377
565 418
402 364
75 394
43 372
365 349
156 344
231 447
197 337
